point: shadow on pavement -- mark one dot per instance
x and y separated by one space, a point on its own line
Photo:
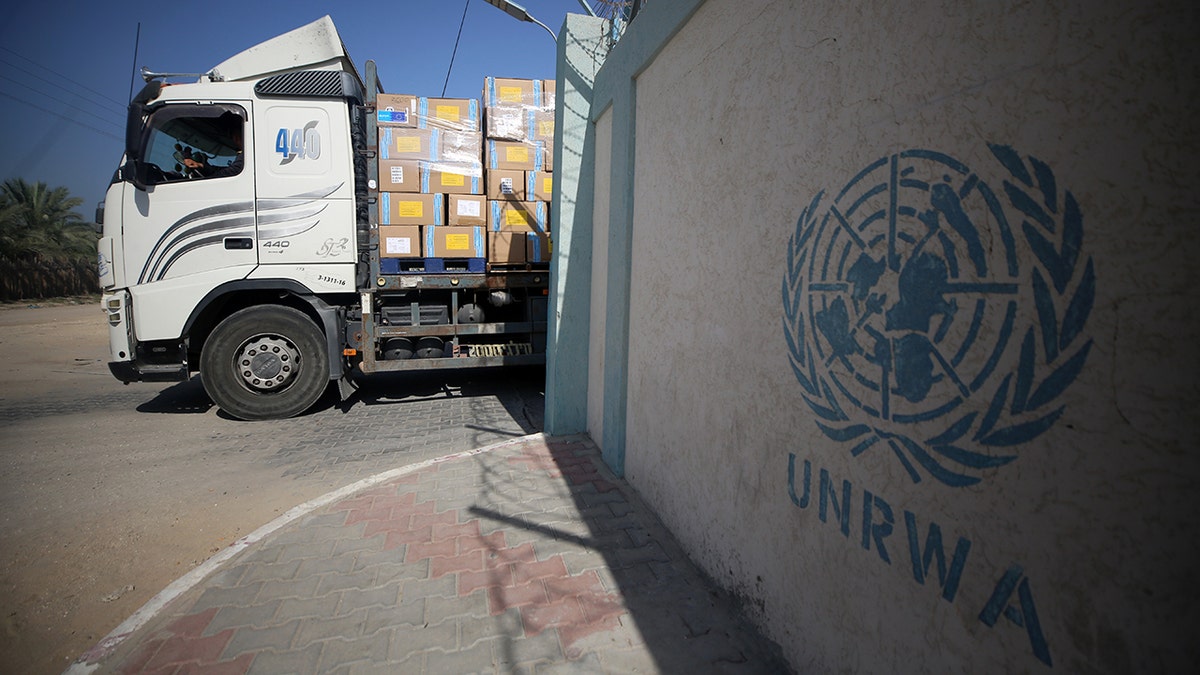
617 556
180 399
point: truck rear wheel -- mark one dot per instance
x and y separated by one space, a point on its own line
265 363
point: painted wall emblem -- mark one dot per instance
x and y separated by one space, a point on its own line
935 318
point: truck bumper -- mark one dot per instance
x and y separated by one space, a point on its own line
132 371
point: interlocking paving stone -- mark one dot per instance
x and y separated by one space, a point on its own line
525 557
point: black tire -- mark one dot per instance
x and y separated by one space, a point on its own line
265 363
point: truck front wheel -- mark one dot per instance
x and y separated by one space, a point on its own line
265 363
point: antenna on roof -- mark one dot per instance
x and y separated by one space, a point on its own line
136 43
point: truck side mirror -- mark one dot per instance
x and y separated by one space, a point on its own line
100 217
135 173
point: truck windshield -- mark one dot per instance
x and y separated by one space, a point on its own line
190 142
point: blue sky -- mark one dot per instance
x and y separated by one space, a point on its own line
65 68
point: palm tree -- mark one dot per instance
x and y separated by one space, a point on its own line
37 222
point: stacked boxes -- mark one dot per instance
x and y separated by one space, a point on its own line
460 180
519 140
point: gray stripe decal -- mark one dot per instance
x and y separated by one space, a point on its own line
219 210
152 271
201 243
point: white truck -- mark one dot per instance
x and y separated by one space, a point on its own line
240 240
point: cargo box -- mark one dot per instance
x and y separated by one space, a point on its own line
405 143
467 210
396 110
539 185
460 147
537 247
540 126
516 156
400 208
399 175
548 94
507 122
399 241
450 179
454 242
498 91
450 114
506 184
523 216
506 247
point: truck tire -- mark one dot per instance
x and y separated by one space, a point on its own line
265 363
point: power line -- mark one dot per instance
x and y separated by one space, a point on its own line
78 84
118 125
52 84
69 119
455 52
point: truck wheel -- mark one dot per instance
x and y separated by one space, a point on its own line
265 363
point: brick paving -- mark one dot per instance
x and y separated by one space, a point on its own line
525 556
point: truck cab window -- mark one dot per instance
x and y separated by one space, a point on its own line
194 142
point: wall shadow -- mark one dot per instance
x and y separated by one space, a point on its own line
682 621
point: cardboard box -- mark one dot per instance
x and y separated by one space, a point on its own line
538 248
400 208
450 179
406 143
506 247
547 158
540 126
517 156
467 210
507 122
520 216
399 175
499 91
460 147
548 94
450 114
539 185
399 241
506 184
396 110
454 242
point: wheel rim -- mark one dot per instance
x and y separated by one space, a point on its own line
267 363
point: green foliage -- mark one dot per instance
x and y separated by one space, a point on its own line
46 249
38 223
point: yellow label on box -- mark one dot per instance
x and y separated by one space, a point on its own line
447 112
546 129
453 180
510 94
516 153
547 185
408 144
412 210
458 242
517 217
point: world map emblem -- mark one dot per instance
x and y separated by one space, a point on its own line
936 318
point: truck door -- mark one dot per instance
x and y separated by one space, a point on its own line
196 215
305 182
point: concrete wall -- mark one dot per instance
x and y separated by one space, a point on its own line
898 331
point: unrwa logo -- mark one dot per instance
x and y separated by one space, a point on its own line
920 322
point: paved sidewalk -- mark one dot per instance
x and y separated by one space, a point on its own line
526 556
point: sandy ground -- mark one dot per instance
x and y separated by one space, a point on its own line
99 507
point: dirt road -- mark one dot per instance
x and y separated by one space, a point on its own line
109 492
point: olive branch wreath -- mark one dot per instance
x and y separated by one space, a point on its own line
1052 225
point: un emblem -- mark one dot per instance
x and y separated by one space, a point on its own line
930 316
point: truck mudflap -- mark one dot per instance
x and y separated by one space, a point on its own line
132 371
